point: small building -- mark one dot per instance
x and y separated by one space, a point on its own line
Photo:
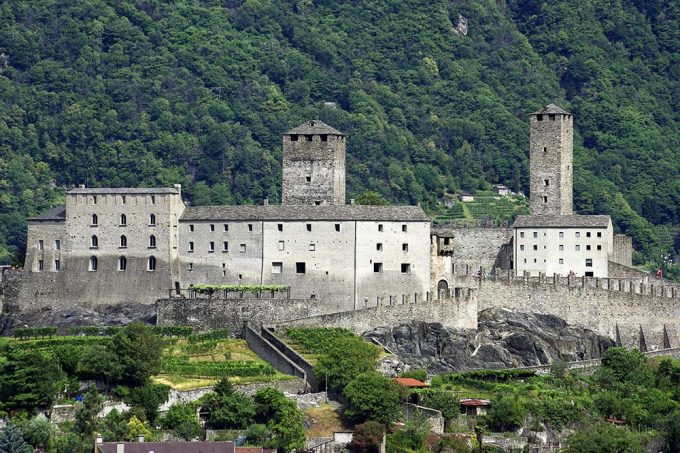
411 383
466 197
500 189
474 406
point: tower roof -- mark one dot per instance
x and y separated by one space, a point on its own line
551 109
313 127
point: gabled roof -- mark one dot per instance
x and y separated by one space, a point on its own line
410 382
551 109
123 190
474 402
58 213
168 447
306 212
314 127
562 221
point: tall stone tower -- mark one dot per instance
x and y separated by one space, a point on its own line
314 165
551 161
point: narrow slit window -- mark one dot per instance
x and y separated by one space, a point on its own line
94 220
151 264
122 264
280 226
211 247
225 246
123 242
404 247
94 242
337 227
152 242
123 220
379 246
152 220
93 264
309 227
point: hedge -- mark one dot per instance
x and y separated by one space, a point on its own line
35 332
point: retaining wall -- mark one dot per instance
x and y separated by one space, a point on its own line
271 353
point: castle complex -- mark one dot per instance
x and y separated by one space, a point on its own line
139 245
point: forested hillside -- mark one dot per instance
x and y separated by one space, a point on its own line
198 92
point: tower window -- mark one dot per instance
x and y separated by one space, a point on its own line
404 228
545 199
152 219
378 246
152 242
546 182
94 199
588 247
226 227
280 226
599 247
551 117
539 117
57 244
308 178
599 234
405 268
521 247
578 234
151 264
57 265
535 247
324 137
337 227
380 227
153 199
250 227
277 267
212 227
521 234
122 199
447 241
94 242
242 248
95 220
191 228
404 247
191 246
93 264
41 265
294 138
561 234
225 246
123 242
561 247
300 268
589 262
588 234
312 247
308 137
309 227
191 267
123 220
535 234
545 149
122 263
561 260
281 245
41 245
377 268
212 247
578 247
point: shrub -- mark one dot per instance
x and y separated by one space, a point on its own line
506 414
372 396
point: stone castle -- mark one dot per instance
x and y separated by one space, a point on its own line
344 264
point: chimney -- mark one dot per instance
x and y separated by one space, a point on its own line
351 201
266 202
98 439
140 438
120 448
178 188
81 186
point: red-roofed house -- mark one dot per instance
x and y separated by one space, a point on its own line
473 406
411 383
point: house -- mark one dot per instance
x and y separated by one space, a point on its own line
411 383
500 189
466 197
473 406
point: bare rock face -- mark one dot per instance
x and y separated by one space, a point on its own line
461 27
504 339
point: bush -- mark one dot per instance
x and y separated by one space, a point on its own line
367 437
373 397
604 437
506 414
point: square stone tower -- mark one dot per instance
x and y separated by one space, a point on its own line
551 161
314 165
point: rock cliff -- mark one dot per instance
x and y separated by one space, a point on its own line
504 339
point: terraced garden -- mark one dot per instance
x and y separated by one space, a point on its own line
485 206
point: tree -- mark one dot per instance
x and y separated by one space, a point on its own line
147 398
288 429
343 360
182 419
604 438
234 411
620 365
506 414
258 435
113 427
373 397
139 353
136 428
28 379
371 198
39 432
367 437
11 441
86 415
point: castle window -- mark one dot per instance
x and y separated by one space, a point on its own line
243 248
561 234
337 227
308 137
551 117
122 199
240 276
378 246
300 268
525 260
57 265
191 267
545 149
578 247
123 242
281 245
41 245
447 241
589 262
535 234
123 220
535 247
317 203
41 265
380 227
277 267
545 199
225 246
191 228
280 226
578 234
377 268
312 247
599 234
94 199
404 247
534 260
122 263
405 268
588 247
153 199
152 220
212 227
250 227
94 220
93 264
404 228
588 234
152 242
309 227
308 178
539 117
293 138
546 182
94 242
212 247
151 264
324 137
226 227
561 260
599 247
191 246
561 247
589 274
521 247
57 244
521 234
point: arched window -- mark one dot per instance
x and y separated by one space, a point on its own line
123 220
123 241
152 241
152 219
122 263
151 264
93 263
95 220
94 241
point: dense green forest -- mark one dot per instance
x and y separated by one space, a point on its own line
198 92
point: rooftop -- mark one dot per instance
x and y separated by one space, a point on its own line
410 382
124 190
314 127
562 221
551 109
58 213
306 212
474 402
167 447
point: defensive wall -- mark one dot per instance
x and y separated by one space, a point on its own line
636 312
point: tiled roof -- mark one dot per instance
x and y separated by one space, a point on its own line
314 127
168 447
474 402
58 213
306 212
123 190
562 221
551 109
410 382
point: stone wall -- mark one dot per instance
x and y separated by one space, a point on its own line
270 353
623 250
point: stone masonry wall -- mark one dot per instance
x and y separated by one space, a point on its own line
623 250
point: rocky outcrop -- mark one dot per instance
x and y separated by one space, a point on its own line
504 339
